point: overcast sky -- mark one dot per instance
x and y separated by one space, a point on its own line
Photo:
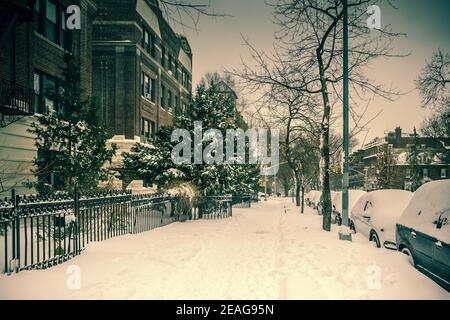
218 44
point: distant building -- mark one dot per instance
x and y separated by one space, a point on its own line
433 160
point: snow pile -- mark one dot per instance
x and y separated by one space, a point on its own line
70 217
183 189
314 196
430 202
344 230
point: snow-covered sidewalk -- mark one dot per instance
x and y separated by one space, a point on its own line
267 252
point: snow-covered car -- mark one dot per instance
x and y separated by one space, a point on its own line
314 198
423 231
376 214
353 197
319 206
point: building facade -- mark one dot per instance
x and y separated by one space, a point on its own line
134 69
431 160
34 41
142 70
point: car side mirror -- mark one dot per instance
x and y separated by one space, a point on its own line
440 222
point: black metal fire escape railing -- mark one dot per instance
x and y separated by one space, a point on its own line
15 99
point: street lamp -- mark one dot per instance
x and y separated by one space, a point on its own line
345 175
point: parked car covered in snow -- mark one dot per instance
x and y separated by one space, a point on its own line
423 231
320 206
376 214
314 198
353 197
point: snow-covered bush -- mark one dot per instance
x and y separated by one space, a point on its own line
186 195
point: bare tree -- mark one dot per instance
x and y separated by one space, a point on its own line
432 82
308 58
180 11
211 78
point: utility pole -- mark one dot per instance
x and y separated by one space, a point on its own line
345 176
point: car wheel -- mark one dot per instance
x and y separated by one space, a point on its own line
375 239
406 251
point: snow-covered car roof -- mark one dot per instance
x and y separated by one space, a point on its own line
429 202
353 197
383 206
314 196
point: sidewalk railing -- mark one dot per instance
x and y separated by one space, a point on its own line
38 232
242 201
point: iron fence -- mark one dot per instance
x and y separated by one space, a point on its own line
242 200
214 207
38 232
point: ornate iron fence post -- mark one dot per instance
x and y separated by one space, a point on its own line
15 233
75 223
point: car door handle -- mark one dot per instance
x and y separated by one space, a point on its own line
438 244
413 234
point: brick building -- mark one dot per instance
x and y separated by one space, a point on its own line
142 70
33 43
432 154
134 68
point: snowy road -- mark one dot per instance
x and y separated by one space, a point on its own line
259 253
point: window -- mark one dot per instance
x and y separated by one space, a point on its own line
185 79
425 173
163 57
175 69
49 94
152 45
148 41
169 100
147 130
144 39
50 21
45 89
443 173
170 65
38 21
177 105
163 96
37 93
148 87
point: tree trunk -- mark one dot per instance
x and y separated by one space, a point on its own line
325 149
303 199
298 187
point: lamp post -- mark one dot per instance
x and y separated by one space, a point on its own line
345 175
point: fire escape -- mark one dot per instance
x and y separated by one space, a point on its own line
16 101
